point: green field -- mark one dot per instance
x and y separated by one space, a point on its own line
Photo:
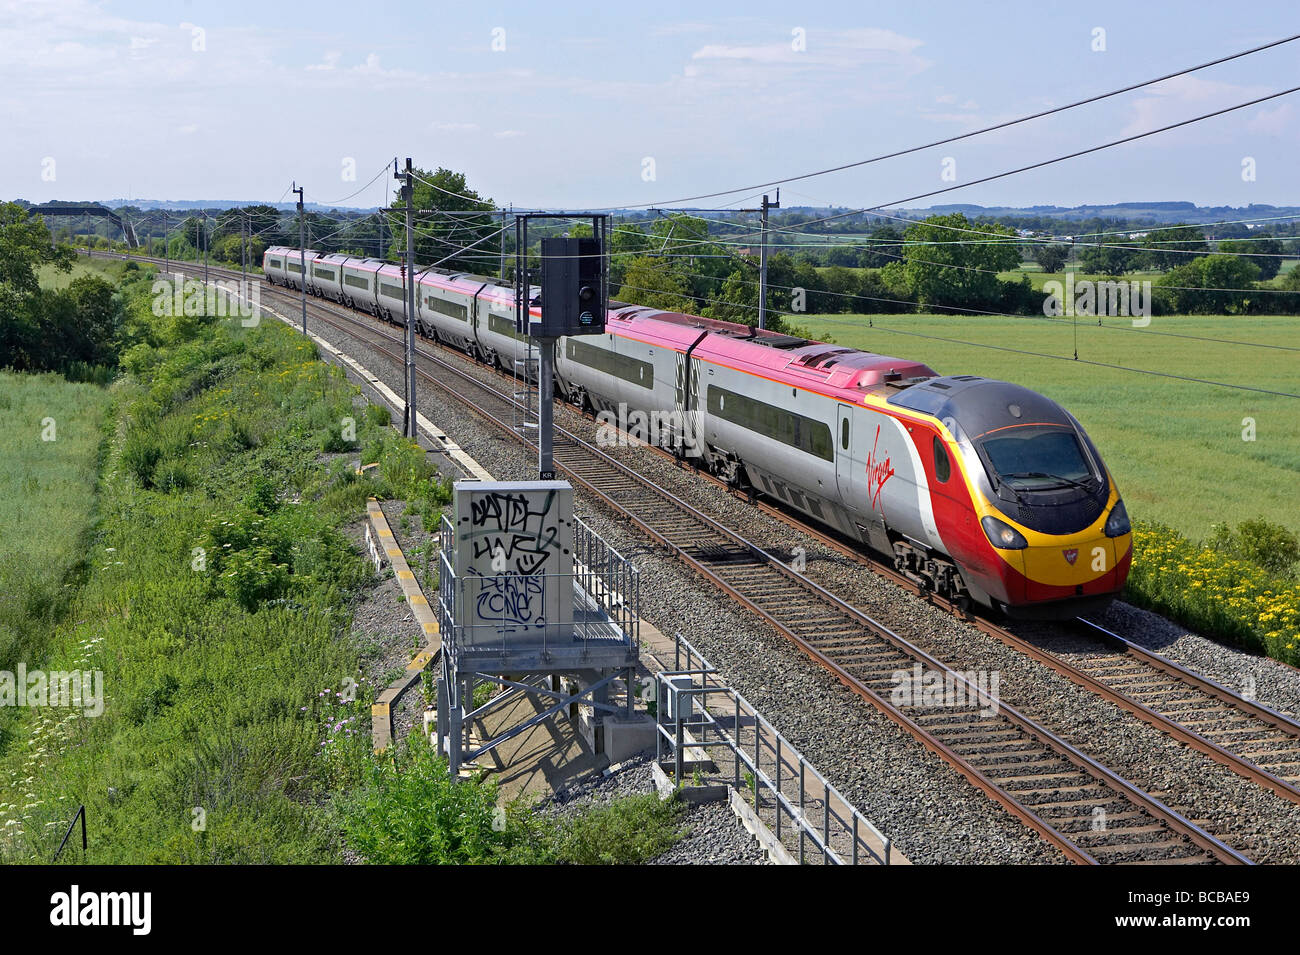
1037 277
109 269
49 495
1175 447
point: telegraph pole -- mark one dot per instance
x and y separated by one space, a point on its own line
503 244
167 238
408 194
205 248
762 259
243 248
302 255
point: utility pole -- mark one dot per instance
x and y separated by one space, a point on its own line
503 245
302 255
243 248
167 252
762 261
408 194
205 249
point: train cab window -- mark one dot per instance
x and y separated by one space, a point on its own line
844 434
942 466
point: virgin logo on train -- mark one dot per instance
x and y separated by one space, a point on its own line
1071 555
878 472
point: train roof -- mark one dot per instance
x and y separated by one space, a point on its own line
801 362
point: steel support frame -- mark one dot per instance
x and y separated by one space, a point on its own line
456 690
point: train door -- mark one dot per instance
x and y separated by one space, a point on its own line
843 458
689 401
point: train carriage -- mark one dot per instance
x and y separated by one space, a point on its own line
326 276
358 283
390 293
980 490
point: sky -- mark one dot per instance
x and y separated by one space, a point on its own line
572 105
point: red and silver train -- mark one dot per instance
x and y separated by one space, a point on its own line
981 490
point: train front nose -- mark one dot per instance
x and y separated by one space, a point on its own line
1062 575
1082 565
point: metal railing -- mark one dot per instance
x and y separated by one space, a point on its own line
609 580
697 717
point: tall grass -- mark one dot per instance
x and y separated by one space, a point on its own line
50 446
215 603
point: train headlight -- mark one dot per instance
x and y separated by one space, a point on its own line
1003 535
1117 525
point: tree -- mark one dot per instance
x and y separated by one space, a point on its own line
24 248
944 267
1107 260
1209 285
650 280
1051 257
626 242
1169 248
80 324
1263 250
886 246
450 218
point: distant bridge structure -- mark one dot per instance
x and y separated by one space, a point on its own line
90 209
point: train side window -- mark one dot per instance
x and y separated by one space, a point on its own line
942 466
844 434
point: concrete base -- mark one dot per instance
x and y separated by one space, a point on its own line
691 795
626 738
777 852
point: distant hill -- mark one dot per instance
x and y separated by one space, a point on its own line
1148 213
1137 214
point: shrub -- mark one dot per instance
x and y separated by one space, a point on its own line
261 495
141 454
1261 542
252 575
627 831
378 415
1220 596
171 476
409 811
332 440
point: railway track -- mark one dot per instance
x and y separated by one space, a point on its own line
1089 813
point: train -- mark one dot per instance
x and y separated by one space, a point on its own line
979 490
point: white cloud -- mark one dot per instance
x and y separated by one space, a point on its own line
331 60
1183 98
1273 122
